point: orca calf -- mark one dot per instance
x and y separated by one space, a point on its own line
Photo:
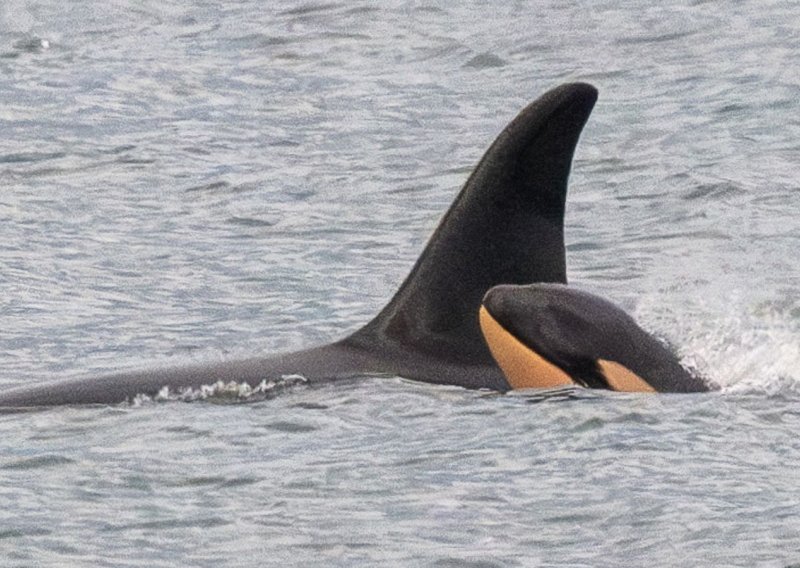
505 227
549 335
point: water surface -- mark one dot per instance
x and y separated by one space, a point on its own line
186 182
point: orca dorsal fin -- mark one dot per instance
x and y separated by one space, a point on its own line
505 227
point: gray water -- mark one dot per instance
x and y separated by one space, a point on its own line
195 181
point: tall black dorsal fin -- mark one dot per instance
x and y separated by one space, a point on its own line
505 227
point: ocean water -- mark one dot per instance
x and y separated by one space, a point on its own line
195 181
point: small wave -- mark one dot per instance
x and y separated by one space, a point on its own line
719 190
556 394
38 462
169 524
291 427
309 9
654 38
25 157
23 532
222 392
250 222
212 186
485 61
31 45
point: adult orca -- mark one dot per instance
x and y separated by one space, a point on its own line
549 335
506 226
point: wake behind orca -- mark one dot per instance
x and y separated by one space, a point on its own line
506 226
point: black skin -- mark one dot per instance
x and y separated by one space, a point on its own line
574 329
505 226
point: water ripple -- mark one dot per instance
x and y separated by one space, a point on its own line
195 181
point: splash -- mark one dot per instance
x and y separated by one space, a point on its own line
744 346
756 360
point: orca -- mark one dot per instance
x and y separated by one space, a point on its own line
506 226
548 335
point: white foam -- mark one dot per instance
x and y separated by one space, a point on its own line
223 391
